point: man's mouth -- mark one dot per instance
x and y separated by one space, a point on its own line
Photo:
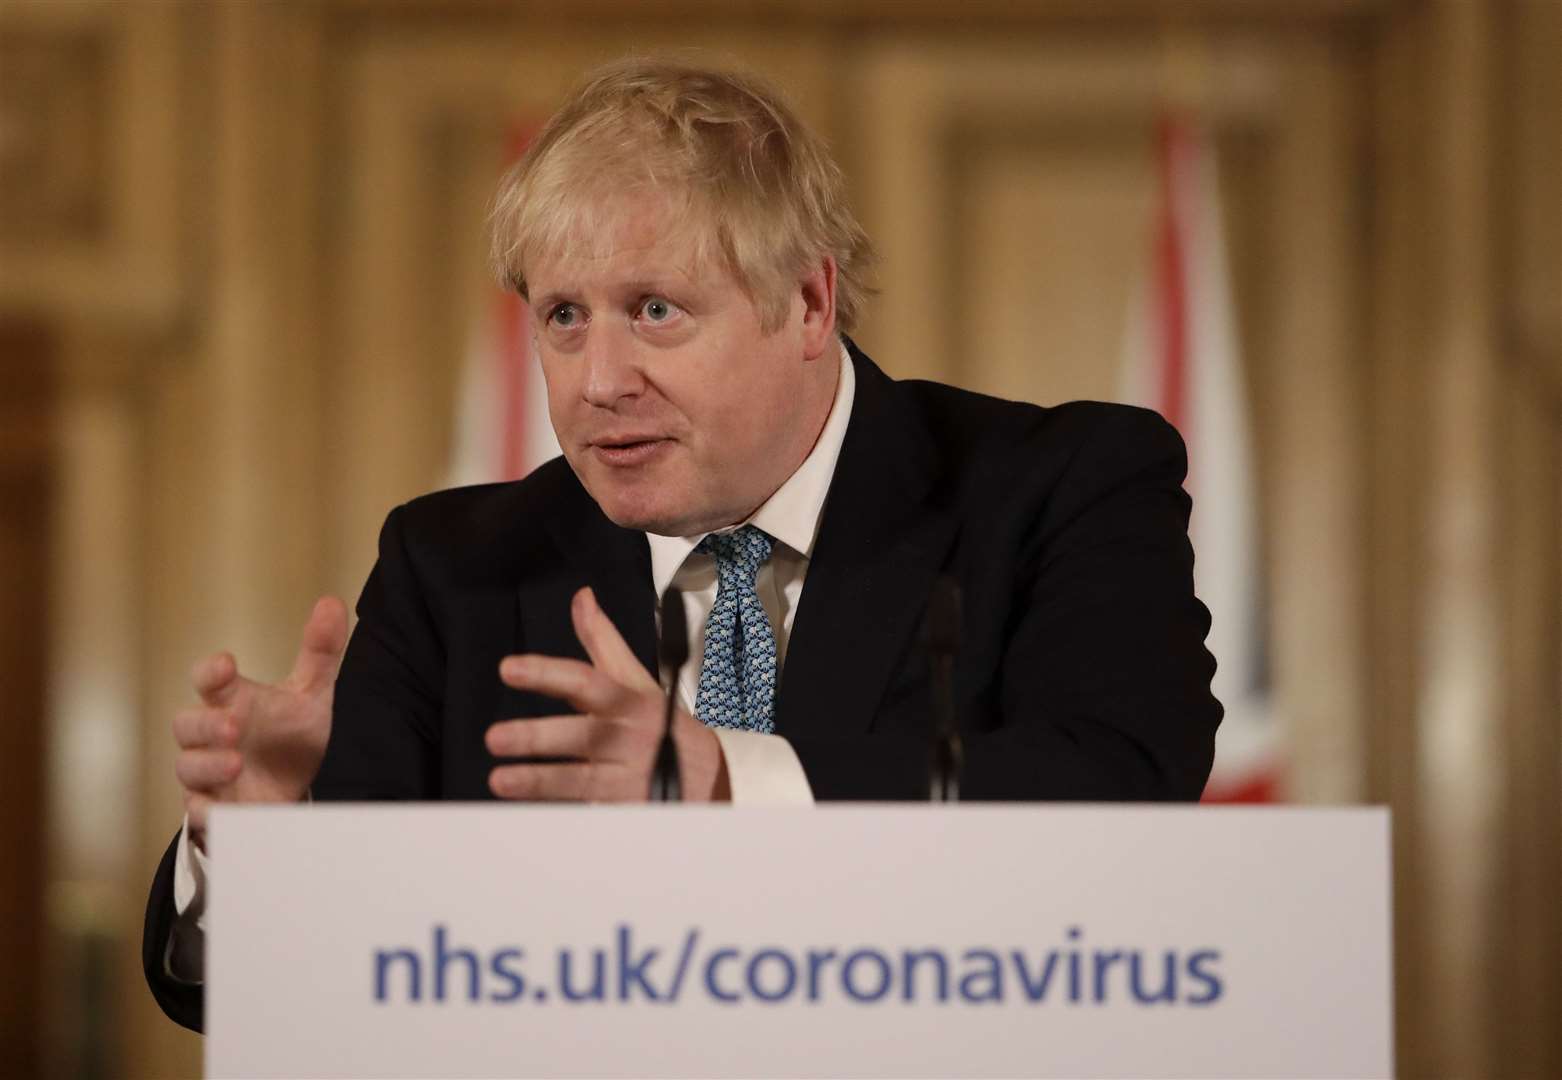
628 450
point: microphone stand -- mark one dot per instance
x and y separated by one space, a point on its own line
672 654
941 632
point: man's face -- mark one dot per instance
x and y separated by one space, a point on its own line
676 411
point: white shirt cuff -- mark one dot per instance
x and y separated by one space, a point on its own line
190 869
184 957
763 770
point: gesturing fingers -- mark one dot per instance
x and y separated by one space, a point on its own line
574 681
605 645
545 736
320 654
607 751
574 781
205 726
204 770
215 678
569 782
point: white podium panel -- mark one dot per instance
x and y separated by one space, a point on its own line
883 941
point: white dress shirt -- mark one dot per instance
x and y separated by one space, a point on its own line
762 769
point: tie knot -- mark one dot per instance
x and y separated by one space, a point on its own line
744 549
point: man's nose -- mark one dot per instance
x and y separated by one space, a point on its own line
612 368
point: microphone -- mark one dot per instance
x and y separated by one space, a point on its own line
672 653
941 633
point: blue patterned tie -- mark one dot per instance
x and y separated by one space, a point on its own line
738 673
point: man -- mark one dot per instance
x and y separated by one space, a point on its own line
686 252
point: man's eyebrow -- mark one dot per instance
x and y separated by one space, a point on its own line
545 301
673 282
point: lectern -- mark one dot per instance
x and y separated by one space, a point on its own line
670 940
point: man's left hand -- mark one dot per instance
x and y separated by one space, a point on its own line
609 748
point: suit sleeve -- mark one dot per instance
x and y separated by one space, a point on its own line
382 744
182 1001
1101 690
385 716
1105 686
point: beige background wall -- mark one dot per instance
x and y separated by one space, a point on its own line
251 235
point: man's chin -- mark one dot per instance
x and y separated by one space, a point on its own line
660 501
656 516
633 510
643 522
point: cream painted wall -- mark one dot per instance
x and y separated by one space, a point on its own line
263 328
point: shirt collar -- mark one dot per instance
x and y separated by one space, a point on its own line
792 514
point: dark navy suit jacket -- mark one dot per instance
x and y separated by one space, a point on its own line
1082 672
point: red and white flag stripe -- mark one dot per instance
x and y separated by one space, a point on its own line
1182 359
502 430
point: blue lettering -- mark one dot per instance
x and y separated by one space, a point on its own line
817 959
775 974
382 963
710 975
1168 990
598 979
988 975
442 959
940 969
1034 989
1073 966
788 975
1214 988
632 971
853 962
1104 960
510 975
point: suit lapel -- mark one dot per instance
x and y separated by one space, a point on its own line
616 563
880 545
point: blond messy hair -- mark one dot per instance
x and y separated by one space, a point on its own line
721 149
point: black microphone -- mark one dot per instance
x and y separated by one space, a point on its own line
941 632
672 653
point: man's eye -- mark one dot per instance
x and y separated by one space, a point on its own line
565 316
655 309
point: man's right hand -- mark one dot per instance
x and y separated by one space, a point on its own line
250 742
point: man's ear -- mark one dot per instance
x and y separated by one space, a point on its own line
818 292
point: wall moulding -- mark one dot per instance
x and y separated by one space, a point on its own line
93 137
331 272
54 89
922 14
